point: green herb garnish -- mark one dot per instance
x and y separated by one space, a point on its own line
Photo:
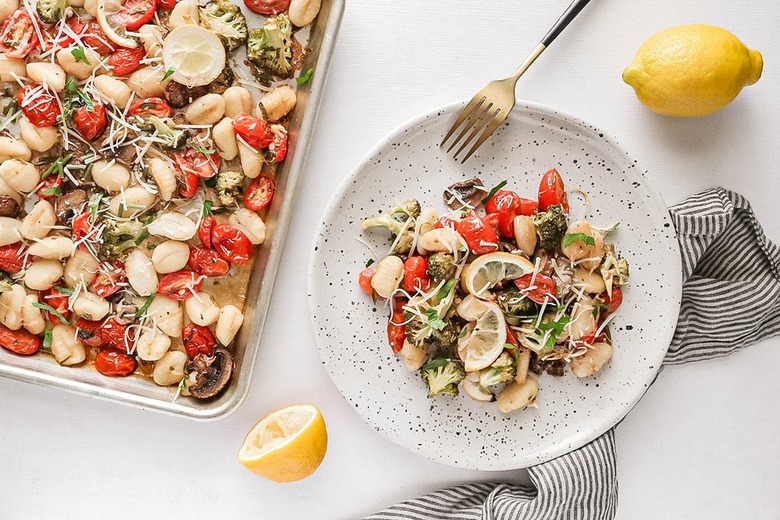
140 312
64 290
578 237
207 208
47 339
492 192
52 311
94 204
369 262
445 289
58 167
434 321
78 53
168 73
305 77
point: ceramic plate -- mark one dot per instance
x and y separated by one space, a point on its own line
351 331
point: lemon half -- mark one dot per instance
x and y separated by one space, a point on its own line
194 54
490 269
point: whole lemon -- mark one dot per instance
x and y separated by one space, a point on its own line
692 70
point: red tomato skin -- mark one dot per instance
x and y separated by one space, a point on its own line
479 236
196 163
204 231
260 192
364 280
112 363
280 143
446 222
135 13
89 332
512 340
197 340
19 341
91 34
552 191
545 286
82 228
105 284
50 39
48 183
396 333
207 262
254 130
614 300
152 106
166 5
18 37
232 244
113 333
59 301
267 7
40 108
125 60
12 258
508 205
91 123
188 183
416 274
175 285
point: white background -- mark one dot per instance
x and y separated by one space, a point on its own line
701 444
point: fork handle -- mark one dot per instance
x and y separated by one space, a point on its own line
565 19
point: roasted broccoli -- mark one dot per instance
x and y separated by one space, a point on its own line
441 266
51 11
514 303
502 370
270 46
223 81
615 269
173 137
399 221
551 225
228 187
226 21
442 376
119 237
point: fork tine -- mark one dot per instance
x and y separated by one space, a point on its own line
473 123
497 120
475 102
475 128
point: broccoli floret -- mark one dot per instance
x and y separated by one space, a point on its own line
270 46
5 281
119 237
226 21
51 11
514 303
399 221
442 376
551 226
223 81
615 269
173 137
502 370
441 266
228 187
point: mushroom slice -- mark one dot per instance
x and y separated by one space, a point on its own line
212 373
470 192
69 205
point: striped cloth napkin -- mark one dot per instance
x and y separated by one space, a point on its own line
724 253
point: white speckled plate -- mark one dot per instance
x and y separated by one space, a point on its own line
350 330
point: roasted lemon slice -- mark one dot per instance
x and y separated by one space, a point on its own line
193 55
490 269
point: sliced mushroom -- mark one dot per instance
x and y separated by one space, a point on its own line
212 373
69 205
470 191
8 207
179 96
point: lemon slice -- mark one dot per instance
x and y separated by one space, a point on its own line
194 54
486 340
286 445
116 32
488 270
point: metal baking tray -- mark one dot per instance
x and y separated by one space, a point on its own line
141 392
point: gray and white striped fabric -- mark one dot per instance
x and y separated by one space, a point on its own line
726 257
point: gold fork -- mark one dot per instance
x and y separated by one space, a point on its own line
490 107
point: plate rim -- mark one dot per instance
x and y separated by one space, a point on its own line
338 194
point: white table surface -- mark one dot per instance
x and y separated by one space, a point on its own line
701 444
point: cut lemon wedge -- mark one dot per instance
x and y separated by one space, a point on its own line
286 445
486 341
490 269
194 55
114 29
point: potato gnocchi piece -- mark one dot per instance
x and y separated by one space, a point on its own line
132 201
11 305
91 306
43 274
184 13
225 139
39 139
113 90
174 226
10 67
169 370
78 68
39 221
167 315
238 100
50 74
228 324
111 176
277 103
52 248
205 110
164 177
20 175
140 273
10 231
66 346
251 160
201 309
32 317
250 223
152 38
170 256
82 267
13 148
303 12
152 345
148 82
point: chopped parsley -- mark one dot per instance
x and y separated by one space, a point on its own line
58 167
207 208
78 53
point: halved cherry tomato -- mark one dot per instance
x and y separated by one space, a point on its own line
38 105
279 146
124 61
364 280
188 183
52 40
614 300
196 162
254 130
204 231
59 302
480 237
260 192
232 244
82 228
180 285
446 222
18 36
92 35
197 340
112 363
89 332
117 335
267 7
12 258
108 276
508 205
396 331
91 123
166 5
207 262
552 191
152 106
543 287
416 275
19 341
51 187
135 13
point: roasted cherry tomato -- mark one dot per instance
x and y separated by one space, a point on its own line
38 105
197 340
57 301
51 187
279 146
416 275
12 258
18 36
614 300
396 330
543 287
195 162
188 183
134 13
89 332
54 38
204 231
232 244
207 262
180 285
254 130
92 34
91 123
109 275
152 106
267 7
113 363
508 205
480 237
364 280
116 335
82 227
260 192
446 222
166 5
552 191
19 341
125 60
